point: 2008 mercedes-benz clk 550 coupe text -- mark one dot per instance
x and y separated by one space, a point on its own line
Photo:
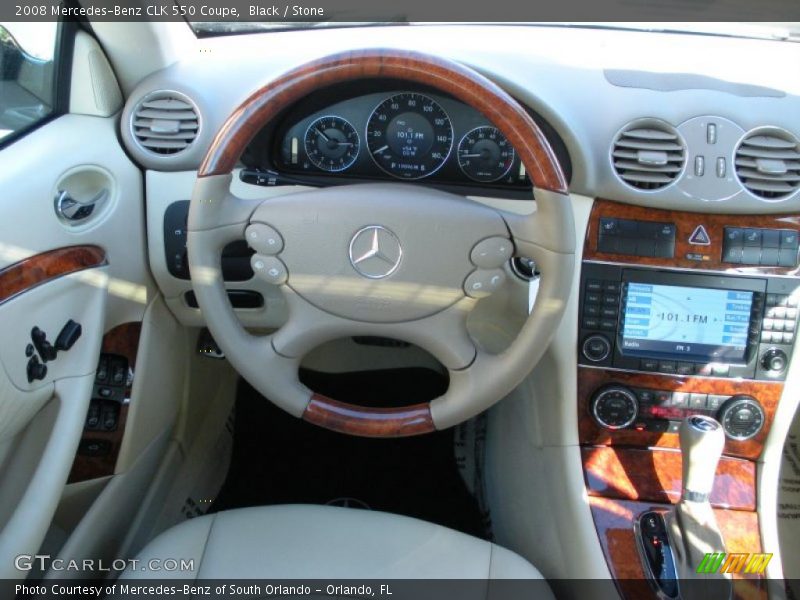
294 309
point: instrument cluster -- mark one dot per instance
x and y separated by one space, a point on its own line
398 134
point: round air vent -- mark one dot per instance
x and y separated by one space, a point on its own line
768 163
648 154
165 122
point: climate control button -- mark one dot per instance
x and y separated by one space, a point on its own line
742 417
615 407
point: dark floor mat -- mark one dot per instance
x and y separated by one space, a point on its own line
278 459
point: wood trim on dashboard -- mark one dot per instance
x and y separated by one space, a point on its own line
654 475
614 520
366 421
590 379
35 270
452 78
122 340
686 223
627 471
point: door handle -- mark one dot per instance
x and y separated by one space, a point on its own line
71 210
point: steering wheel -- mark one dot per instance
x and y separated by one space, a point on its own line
394 260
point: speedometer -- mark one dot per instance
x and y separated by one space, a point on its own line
409 135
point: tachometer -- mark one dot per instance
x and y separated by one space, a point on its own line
409 135
484 154
331 143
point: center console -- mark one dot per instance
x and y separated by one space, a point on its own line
680 314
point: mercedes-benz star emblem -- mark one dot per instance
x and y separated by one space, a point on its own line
375 252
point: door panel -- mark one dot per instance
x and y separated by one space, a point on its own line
43 418
34 166
54 268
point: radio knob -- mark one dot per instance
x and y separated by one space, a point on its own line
742 417
615 407
774 360
596 348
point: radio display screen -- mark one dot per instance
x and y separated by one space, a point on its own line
692 322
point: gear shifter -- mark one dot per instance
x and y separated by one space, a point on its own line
691 525
702 440
673 543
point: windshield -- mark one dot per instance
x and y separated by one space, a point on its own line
786 31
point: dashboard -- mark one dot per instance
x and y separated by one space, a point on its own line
387 131
683 159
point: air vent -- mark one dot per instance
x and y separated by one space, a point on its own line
165 123
648 154
768 163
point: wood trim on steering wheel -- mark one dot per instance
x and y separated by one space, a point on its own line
462 83
366 421
496 105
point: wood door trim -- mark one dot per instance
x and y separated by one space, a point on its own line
22 276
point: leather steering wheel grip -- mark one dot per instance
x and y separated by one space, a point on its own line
548 236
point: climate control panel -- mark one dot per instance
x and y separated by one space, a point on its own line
618 407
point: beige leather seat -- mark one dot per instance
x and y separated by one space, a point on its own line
325 542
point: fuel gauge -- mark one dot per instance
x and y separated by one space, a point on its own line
331 143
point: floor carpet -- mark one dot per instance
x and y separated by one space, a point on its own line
278 459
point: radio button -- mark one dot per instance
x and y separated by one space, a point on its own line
590 323
591 310
720 370
593 285
775 360
777 312
667 366
702 369
596 348
685 368
608 311
648 364
608 325
592 297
